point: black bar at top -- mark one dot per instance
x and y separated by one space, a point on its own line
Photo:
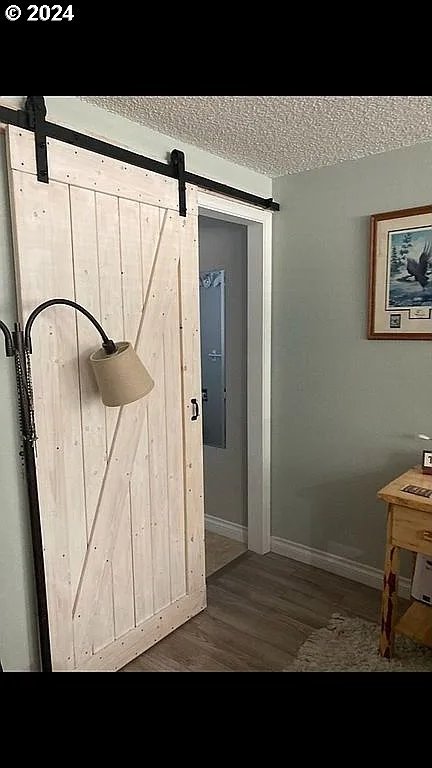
68 136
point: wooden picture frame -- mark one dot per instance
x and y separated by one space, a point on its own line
400 275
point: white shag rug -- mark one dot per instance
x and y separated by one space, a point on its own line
351 645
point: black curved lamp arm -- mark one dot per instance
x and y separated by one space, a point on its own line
9 345
107 343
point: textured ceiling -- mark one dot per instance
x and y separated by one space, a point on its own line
276 135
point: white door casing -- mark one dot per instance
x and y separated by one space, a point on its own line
259 292
121 490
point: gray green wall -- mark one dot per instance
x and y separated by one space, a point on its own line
18 639
344 409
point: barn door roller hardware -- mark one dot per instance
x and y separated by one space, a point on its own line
36 113
178 164
33 119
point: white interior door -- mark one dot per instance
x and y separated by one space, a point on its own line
121 490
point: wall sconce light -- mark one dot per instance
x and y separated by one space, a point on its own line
121 377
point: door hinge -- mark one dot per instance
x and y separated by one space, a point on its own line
36 113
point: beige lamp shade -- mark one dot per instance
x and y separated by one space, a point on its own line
121 377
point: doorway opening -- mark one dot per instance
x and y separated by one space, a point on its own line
223 316
235 295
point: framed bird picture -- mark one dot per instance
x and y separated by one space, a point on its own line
400 275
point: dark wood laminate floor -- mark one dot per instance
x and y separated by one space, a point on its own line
261 608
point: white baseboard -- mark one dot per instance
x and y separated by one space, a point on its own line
341 566
226 528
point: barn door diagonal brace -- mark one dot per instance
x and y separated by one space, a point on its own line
36 114
178 163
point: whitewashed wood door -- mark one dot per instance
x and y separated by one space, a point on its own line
121 490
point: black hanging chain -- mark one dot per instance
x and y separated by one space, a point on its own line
26 417
33 435
36 114
18 378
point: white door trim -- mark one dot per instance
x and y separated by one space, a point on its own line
259 240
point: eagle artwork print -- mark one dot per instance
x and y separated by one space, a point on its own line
400 275
409 263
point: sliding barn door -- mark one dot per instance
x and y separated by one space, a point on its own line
121 490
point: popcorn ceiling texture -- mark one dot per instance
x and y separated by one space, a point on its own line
276 135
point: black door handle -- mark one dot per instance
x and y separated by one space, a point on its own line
195 409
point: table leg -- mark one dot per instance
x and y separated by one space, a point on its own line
390 593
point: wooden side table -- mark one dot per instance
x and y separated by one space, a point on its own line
409 526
